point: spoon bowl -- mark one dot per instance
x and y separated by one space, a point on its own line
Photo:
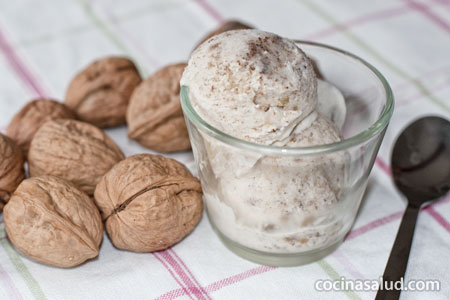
421 160
421 171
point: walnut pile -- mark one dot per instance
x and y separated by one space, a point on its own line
149 202
28 120
154 115
51 221
11 168
227 26
74 150
100 93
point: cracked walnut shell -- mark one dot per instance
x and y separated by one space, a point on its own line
149 202
73 150
51 221
32 116
154 115
100 93
12 170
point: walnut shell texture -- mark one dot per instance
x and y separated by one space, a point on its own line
154 115
32 116
100 93
51 221
149 202
74 150
227 26
12 170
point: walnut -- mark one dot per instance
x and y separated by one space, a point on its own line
149 202
100 93
12 170
229 25
74 150
28 120
154 116
51 221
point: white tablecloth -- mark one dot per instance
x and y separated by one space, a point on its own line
44 43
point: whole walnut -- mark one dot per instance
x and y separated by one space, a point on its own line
74 150
154 116
227 26
100 93
149 202
28 120
12 170
51 221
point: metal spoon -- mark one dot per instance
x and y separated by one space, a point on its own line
421 171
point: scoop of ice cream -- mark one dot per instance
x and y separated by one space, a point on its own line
251 84
315 129
262 88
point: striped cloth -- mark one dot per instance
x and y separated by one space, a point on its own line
43 43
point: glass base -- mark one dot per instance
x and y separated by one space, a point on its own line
275 259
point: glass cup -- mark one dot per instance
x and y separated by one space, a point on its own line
286 206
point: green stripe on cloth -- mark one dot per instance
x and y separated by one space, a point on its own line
30 281
101 25
151 8
330 19
45 38
335 276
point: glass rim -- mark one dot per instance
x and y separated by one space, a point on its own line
378 126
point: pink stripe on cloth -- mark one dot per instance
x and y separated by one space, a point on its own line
429 14
8 285
173 294
210 10
379 15
19 67
238 277
392 217
161 260
344 261
409 100
383 165
189 272
215 286
372 225
441 70
443 2
181 274
438 217
126 35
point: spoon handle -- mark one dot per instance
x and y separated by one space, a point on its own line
398 259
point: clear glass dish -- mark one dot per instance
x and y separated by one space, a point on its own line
289 206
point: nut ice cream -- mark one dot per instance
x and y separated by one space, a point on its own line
259 87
